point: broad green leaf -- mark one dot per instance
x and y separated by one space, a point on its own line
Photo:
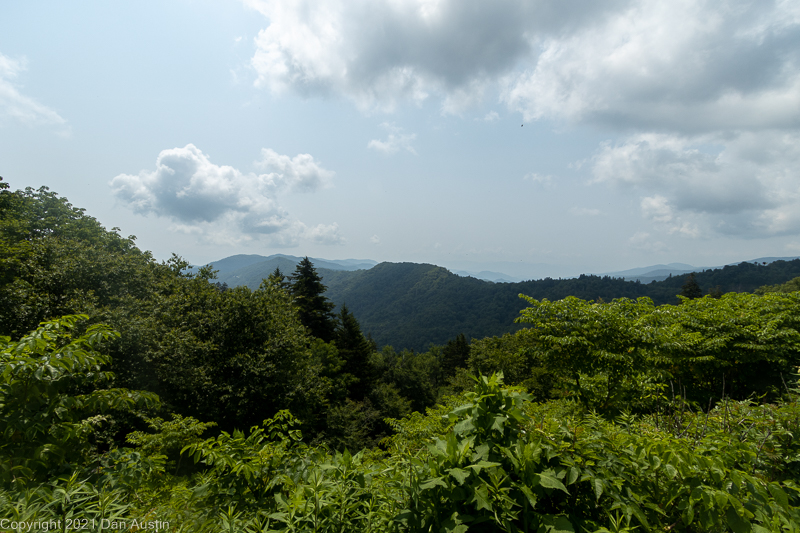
557 524
549 482
572 475
459 474
435 482
779 495
481 497
481 465
736 522
532 499
597 485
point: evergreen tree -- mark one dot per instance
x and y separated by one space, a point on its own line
691 289
314 309
355 349
277 278
455 354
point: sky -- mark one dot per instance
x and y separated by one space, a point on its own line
529 137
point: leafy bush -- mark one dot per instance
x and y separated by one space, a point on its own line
51 400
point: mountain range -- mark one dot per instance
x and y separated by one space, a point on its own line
411 305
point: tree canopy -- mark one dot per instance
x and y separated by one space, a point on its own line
314 308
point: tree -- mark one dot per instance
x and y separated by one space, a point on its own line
355 349
314 309
691 289
793 285
602 351
52 398
277 278
455 355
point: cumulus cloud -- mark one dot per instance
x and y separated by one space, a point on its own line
324 234
380 53
396 141
708 90
688 65
16 105
375 240
224 204
746 184
299 173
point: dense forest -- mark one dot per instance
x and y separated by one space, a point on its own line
408 305
411 305
138 394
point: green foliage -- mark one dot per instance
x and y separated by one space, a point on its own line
622 355
793 285
499 470
355 350
518 359
455 354
411 306
738 345
241 353
169 439
231 355
485 460
691 289
314 309
247 467
415 376
51 398
55 260
603 350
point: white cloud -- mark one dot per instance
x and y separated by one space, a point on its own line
375 240
396 141
707 90
687 65
584 212
641 240
744 183
491 116
324 234
380 53
657 208
18 106
539 179
299 174
223 204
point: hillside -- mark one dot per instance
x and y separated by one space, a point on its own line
408 305
411 305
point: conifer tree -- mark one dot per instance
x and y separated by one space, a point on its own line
277 278
455 354
314 309
355 349
691 289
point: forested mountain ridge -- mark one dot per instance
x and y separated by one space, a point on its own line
413 305
409 305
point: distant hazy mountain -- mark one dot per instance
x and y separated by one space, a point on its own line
646 271
768 260
497 277
662 272
251 269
